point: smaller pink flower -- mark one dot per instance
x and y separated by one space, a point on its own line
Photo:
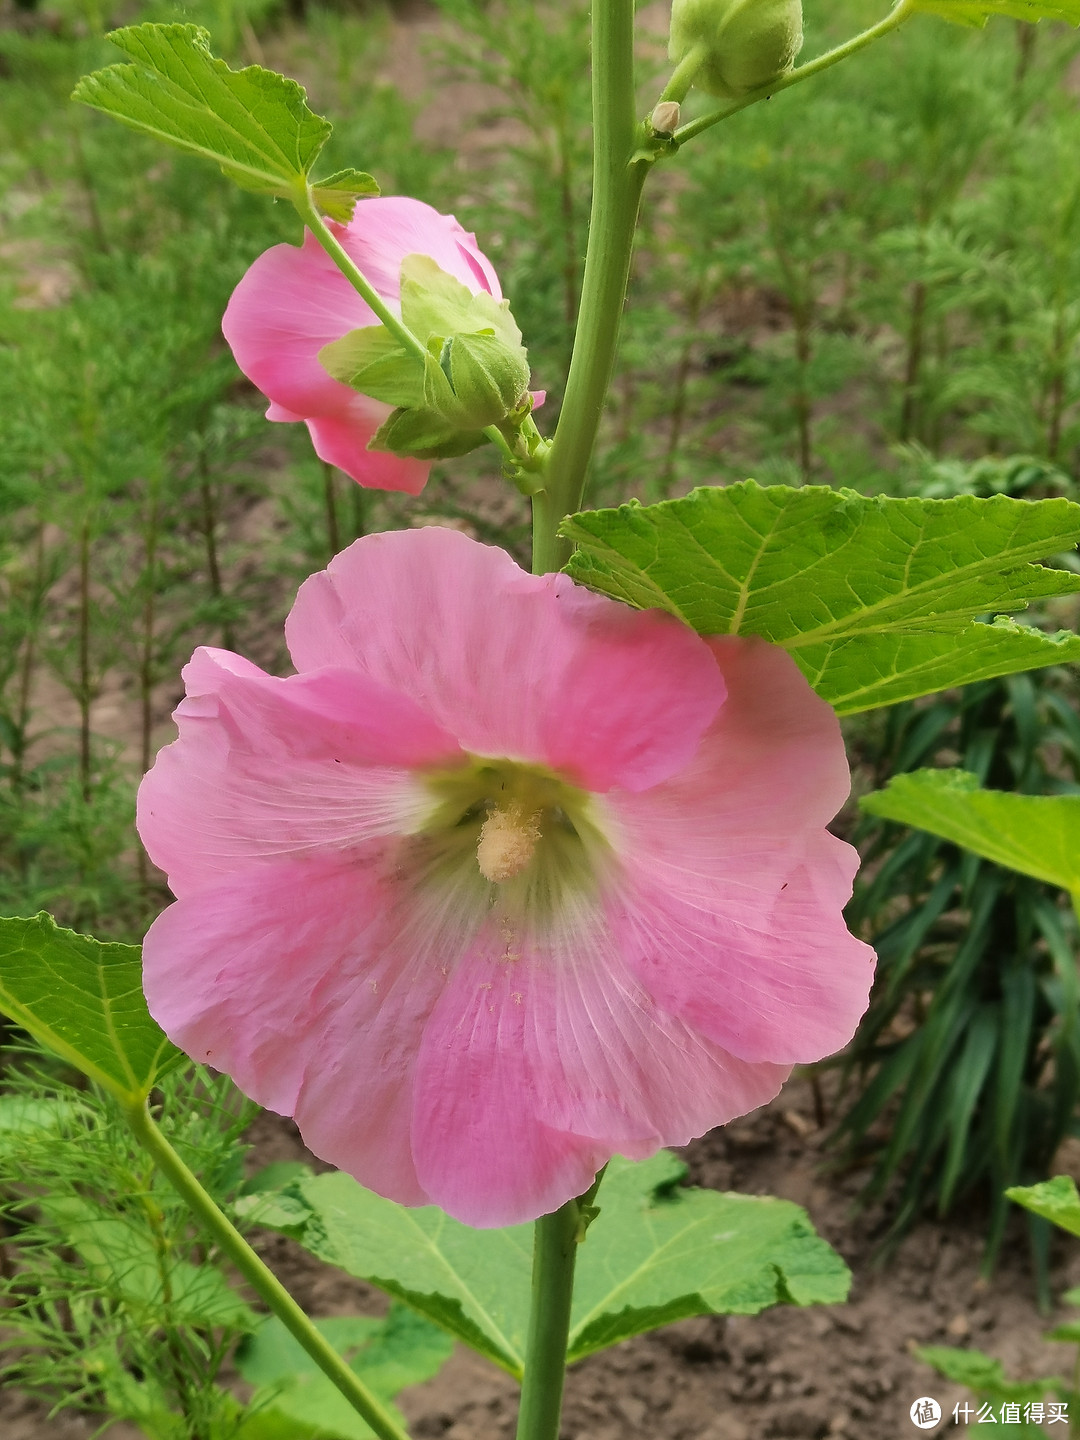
294 300
509 878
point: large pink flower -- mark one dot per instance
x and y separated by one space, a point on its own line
508 879
294 300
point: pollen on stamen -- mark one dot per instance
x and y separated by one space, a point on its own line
507 843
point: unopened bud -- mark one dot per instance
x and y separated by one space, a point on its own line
665 118
745 44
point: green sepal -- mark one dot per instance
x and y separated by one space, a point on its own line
83 999
745 44
488 378
434 303
423 435
374 362
336 196
254 123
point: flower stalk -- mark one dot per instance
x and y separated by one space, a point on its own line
260 1277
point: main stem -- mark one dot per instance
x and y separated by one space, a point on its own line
616 194
555 1244
260 1277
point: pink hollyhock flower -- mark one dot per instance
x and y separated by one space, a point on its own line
507 879
294 300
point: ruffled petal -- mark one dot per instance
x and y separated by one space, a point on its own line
537 1065
281 978
266 768
521 666
733 888
765 966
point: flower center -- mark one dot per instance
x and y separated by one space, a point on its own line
504 835
507 843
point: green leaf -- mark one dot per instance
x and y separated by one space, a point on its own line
372 361
656 1253
337 195
435 303
83 999
294 1398
984 1375
975 13
1039 835
254 123
660 1252
874 598
1055 1200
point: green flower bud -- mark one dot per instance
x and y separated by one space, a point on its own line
487 380
744 43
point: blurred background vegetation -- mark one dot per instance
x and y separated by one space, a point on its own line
872 280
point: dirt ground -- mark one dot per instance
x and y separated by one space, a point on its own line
844 1372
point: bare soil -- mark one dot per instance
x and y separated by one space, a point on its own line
845 1372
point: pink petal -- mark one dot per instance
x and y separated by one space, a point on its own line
385 229
514 665
342 440
266 767
734 890
767 970
535 1069
277 978
293 301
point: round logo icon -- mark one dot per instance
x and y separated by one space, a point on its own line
925 1412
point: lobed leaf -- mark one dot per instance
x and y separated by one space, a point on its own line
656 1253
976 13
1039 835
875 598
83 999
295 1401
1055 1200
254 123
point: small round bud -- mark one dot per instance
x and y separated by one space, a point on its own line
745 44
665 118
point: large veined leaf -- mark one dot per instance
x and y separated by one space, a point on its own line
657 1252
254 123
875 598
1039 835
294 1400
83 999
977 12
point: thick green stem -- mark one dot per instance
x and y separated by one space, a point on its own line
892 21
355 276
259 1277
617 184
555 1244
